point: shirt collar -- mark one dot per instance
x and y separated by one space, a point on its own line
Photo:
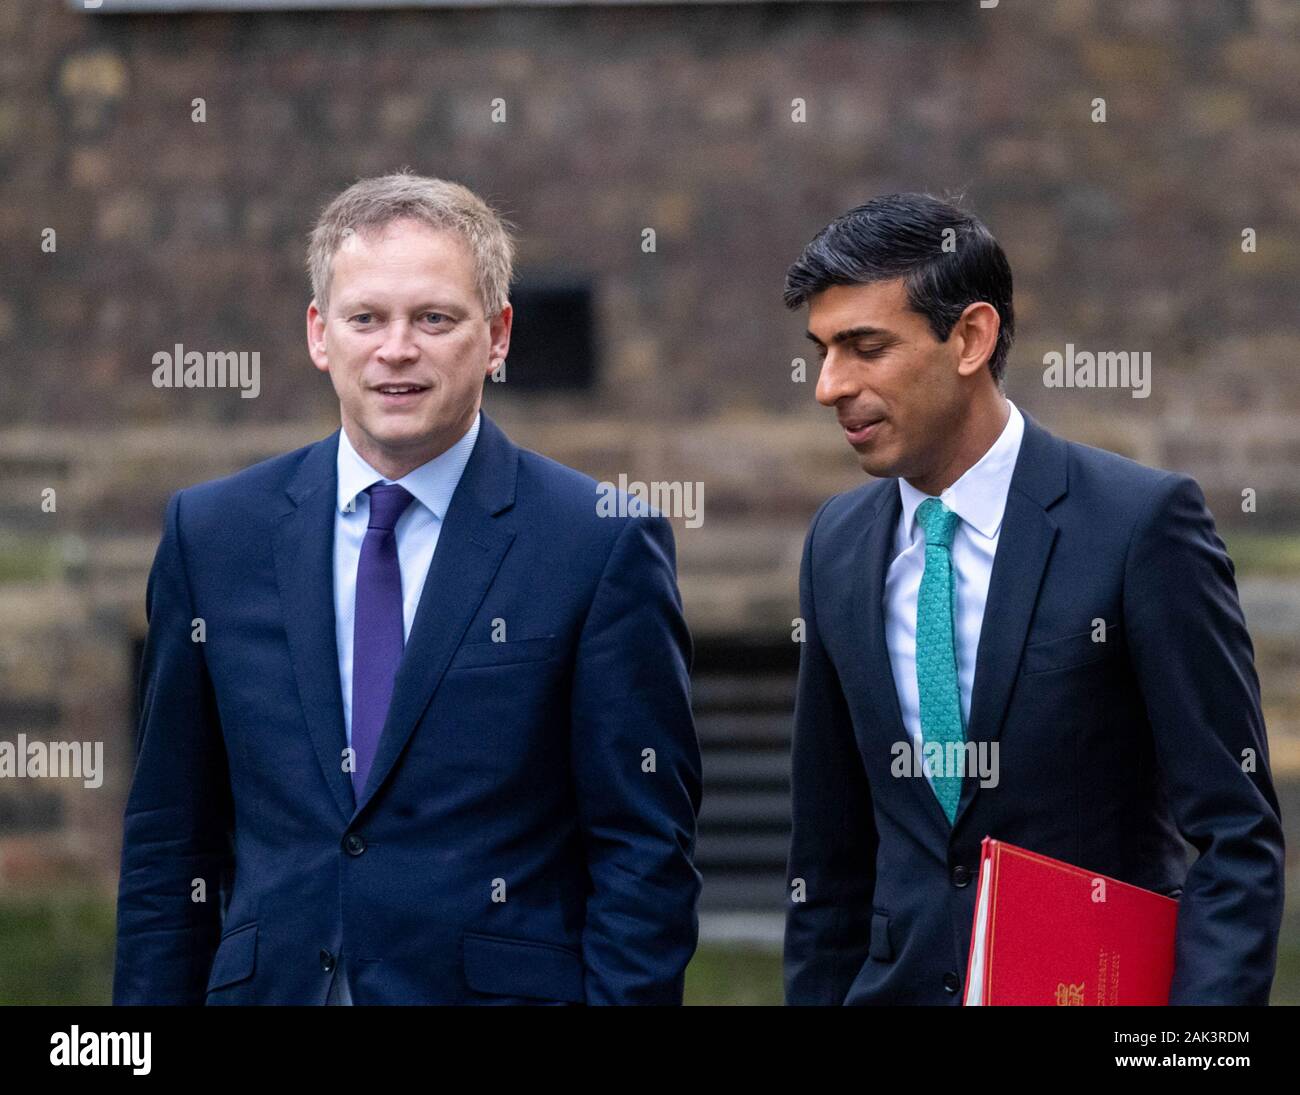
432 483
979 497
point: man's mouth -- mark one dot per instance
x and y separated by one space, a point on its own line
858 430
400 393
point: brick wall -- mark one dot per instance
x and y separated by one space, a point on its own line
1123 235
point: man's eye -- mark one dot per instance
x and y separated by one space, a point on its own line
434 317
361 318
871 353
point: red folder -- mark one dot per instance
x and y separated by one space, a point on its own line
1047 932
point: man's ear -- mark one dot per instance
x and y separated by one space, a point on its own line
977 333
499 334
316 337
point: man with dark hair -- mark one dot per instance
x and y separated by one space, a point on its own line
1066 615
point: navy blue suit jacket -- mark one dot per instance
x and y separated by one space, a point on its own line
517 840
1108 750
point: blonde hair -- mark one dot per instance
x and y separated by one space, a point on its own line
370 204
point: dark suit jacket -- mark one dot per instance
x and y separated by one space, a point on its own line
509 846
1107 750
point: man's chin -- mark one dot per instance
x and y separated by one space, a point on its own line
401 432
877 465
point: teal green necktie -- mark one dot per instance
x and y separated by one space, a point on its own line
936 655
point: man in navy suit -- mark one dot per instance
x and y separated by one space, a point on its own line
415 724
1060 621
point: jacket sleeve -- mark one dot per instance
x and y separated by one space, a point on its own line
179 817
636 769
1194 664
831 870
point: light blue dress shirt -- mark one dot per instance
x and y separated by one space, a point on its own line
432 485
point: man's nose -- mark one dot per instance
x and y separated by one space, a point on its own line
834 382
398 344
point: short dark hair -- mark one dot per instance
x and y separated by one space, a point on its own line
903 235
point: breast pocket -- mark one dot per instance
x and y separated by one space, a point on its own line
1069 651
502 707
509 652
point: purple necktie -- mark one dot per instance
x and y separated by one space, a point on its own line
378 634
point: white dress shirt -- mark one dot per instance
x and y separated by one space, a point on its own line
979 498
432 485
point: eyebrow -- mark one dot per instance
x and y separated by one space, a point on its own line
349 306
851 332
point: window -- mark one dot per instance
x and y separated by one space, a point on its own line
551 338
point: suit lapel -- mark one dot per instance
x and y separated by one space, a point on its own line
471 546
303 545
1024 546
876 551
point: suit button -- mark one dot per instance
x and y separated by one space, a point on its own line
960 876
354 843
951 983
326 961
